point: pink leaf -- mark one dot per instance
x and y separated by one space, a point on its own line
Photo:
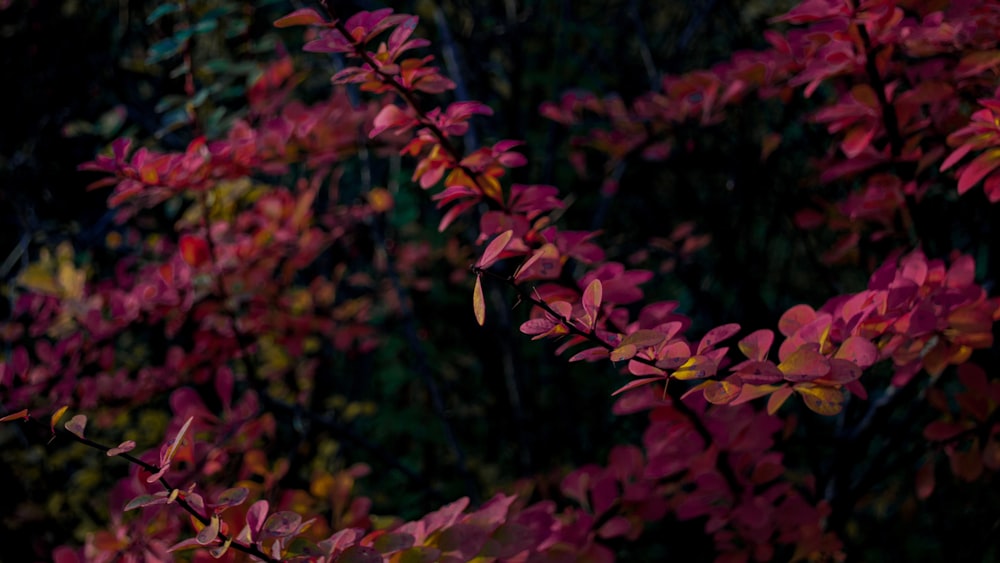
493 250
76 425
124 447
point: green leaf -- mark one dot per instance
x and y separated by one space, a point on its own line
162 10
163 49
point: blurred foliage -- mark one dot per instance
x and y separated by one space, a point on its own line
88 71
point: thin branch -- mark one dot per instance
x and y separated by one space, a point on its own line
723 459
248 549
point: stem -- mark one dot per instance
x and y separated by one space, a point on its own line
890 120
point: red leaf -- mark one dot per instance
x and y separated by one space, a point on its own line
857 139
591 355
636 383
194 250
939 430
859 351
925 480
716 335
756 344
978 169
639 368
478 303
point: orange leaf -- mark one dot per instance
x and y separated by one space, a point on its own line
19 415
303 16
56 416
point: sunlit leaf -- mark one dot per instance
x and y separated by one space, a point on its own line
804 364
56 416
19 415
820 399
208 534
697 367
624 352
